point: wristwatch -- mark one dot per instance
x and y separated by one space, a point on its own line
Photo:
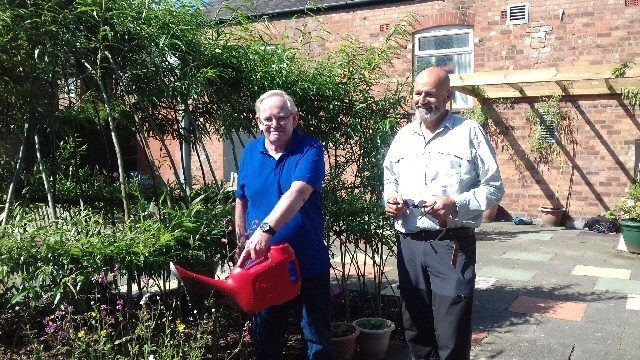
266 228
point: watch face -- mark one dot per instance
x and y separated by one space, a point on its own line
264 227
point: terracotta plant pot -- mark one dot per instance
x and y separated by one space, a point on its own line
552 216
631 234
343 340
374 337
490 214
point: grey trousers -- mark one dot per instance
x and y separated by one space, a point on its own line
437 299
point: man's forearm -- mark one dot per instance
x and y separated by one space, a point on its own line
289 204
241 219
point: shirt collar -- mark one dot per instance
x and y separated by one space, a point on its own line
448 122
295 140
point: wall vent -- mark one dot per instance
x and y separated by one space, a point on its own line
631 2
518 14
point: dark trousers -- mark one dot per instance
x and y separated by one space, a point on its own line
269 326
437 298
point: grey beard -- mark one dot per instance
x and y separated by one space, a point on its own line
428 115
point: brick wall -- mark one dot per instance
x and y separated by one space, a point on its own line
588 178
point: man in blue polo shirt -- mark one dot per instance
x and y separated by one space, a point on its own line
279 199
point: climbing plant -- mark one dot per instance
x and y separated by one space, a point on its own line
549 127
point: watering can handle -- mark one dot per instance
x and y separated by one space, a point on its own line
253 262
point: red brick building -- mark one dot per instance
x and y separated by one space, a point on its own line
500 38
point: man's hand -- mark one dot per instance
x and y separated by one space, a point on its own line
255 248
395 206
441 207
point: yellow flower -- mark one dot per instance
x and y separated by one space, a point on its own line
82 334
181 326
103 333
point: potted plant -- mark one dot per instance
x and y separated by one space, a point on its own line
490 214
343 340
374 337
627 211
553 215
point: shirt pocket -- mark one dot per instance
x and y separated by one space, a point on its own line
449 170
409 169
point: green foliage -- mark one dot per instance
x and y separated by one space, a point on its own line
632 96
628 207
111 331
621 70
152 58
546 118
479 114
342 329
60 262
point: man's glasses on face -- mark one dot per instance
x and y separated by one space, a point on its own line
280 120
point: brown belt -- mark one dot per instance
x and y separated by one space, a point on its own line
452 234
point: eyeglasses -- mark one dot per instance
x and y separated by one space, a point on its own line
280 120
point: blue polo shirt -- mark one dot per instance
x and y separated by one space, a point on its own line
262 180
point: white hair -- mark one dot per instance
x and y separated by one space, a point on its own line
276 93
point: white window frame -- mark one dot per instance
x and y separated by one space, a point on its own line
440 31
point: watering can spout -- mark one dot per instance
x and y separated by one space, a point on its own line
190 279
255 286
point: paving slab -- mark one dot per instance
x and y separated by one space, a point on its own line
629 343
618 285
566 310
534 236
484 283
633 302
521 347
580 332
611 312
527 256
506 273
601 272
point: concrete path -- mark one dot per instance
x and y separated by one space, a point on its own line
550 293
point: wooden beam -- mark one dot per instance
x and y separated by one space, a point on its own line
585 87
563 87
518 88
467 90
576 73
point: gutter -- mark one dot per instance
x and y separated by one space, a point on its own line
318 8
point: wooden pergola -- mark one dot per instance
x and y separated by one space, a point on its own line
577 80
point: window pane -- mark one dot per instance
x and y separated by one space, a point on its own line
443 42
452 64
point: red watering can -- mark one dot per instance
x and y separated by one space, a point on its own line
271 280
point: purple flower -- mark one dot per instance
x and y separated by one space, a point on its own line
50 326
103 310
120 305
101 277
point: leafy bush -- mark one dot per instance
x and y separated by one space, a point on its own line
628 207
58 262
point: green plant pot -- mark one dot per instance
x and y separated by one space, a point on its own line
373 341
631 234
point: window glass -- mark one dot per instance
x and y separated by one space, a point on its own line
453 64
443 42
450 48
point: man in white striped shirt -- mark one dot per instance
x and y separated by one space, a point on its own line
440 174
